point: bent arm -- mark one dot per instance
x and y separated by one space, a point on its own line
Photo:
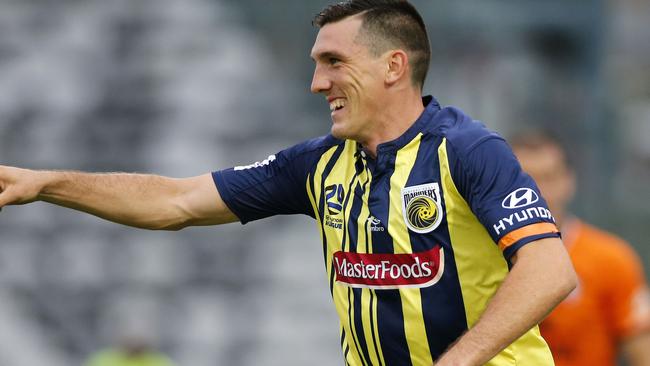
139 200
541 277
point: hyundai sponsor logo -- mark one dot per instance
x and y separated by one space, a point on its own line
521 197
522 216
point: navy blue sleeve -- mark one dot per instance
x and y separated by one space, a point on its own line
274 186
503 197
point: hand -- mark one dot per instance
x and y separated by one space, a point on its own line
18 186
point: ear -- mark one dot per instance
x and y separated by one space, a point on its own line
397 64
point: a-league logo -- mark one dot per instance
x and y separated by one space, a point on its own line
334 195
422 207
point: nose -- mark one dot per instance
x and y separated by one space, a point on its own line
320 82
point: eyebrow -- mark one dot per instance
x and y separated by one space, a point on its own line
326 55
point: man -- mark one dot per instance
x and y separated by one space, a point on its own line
416 205
609 312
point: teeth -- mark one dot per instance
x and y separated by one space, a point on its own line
336 104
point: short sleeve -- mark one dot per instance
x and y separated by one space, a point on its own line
274 186
503 197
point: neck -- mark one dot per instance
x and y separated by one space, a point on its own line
397 117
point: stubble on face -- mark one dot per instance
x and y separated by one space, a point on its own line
356 78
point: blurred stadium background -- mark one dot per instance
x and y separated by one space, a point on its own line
185 87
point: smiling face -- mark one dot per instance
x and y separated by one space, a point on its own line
350 78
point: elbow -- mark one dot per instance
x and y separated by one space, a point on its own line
569 281
573 281
170 227
175 224
151 223
166 223
176 217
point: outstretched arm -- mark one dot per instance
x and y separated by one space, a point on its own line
144 201
541 277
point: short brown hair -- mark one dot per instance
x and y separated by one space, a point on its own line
387 24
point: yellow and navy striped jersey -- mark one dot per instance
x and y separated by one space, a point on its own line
415 241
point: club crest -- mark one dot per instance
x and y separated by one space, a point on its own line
422 207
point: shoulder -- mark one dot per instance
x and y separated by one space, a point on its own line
609 264
295 161
462 132
315 146
598 252
469 142
306 153
607 246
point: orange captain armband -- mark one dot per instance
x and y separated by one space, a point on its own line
528 230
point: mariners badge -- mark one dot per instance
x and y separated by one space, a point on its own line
422 207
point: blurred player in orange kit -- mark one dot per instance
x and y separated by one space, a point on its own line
608 314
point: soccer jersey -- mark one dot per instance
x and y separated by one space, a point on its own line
610 303
416 241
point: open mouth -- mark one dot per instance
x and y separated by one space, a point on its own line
337 104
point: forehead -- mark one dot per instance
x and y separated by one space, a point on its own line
337 37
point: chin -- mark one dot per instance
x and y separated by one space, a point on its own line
341 134
342 131
338 132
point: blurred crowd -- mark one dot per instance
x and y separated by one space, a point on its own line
182 88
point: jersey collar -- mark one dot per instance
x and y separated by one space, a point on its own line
431 107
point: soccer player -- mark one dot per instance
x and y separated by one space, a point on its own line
438 248
609 312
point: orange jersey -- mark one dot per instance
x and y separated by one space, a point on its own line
611 301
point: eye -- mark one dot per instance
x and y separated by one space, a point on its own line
333 60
